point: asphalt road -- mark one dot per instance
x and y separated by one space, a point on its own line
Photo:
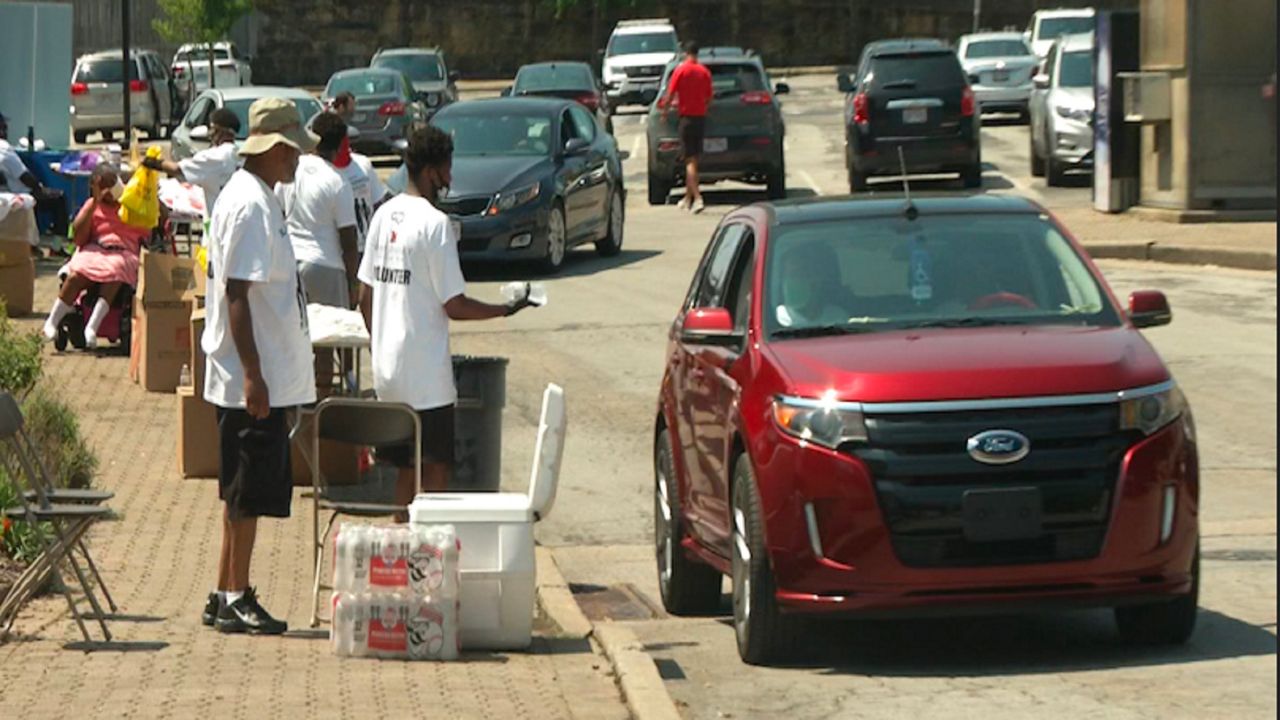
602 337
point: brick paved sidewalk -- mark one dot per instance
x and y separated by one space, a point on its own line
158 559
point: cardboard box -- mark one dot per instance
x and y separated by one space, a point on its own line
168 280
161 345
339 462
198 449
20 225
17 277
198 360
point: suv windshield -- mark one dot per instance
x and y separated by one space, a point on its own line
1076 69
735 79
307 108
366 84
638 43
554 77
996 48
882 274
918 70
422 67
104 71
1052 27
497 134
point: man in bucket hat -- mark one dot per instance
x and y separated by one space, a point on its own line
259 354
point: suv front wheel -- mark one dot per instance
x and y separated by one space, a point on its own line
1166 623
764 634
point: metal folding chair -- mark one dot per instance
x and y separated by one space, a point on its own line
67 513
357 422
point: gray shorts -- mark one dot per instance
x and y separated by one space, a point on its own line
325 285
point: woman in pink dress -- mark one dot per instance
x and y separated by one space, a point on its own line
107 251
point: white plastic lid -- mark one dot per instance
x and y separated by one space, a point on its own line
437 508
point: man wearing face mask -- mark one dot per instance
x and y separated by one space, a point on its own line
106 254
211 168
412 288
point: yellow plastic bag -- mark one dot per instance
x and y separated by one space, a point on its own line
140 203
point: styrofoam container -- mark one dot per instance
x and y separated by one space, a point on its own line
496 560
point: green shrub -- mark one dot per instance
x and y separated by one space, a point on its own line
54 430
19 540
20 360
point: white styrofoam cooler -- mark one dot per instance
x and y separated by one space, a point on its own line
496 534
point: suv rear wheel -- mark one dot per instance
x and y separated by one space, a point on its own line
1165 623
763 632
857 181
658 190
687 587
971 177
777 182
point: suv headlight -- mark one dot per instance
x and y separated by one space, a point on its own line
823 421
515 198
1074 113
433 99
1149 413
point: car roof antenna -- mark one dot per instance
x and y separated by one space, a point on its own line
909 209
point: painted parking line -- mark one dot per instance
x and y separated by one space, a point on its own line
808 180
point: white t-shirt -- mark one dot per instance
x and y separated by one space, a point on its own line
12 168
249 240
367 189
317 203
411 262
210 169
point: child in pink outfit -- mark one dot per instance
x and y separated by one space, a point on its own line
107 255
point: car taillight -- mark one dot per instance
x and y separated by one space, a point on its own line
138 86
179 71
967 103
391 107
861 109
79 88
756 97
590 100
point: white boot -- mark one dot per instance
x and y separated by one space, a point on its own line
100 311
59 311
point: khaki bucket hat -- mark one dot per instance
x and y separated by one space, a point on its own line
274 120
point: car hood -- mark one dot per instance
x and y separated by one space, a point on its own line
486 175
1075 97
621 61
968 363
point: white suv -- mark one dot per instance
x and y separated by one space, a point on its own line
637 53
1048 25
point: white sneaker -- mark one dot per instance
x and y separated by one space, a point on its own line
50 331
90 339
684 203
698 206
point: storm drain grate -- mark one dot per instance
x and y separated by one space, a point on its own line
614 602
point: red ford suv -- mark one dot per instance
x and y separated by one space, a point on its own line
877 407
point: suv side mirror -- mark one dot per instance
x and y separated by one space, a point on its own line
1149 308
506 91
708 325
576 146
844 83
454 76
781 89
199 132
1041 81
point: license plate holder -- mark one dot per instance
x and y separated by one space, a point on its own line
1000 76
1002 514
915 115
715 145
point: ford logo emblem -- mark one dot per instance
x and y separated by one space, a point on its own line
998 447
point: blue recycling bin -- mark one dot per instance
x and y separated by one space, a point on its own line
76 189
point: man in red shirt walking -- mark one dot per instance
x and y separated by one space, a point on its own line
690 88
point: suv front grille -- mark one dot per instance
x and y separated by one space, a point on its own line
643 71
922 470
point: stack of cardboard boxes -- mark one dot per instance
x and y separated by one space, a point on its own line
17 269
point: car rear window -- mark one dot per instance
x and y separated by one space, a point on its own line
554 77
996 48
307 108
363 85
419 68
1076 69
880 274
1052 27
104 71
639 43
916 70
735 79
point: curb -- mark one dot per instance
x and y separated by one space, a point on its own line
642 688
1182 255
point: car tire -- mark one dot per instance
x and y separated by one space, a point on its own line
764 634
857 181
658 190
777 183
557 240
1037 162
971 177
1055 173
687 587
1165 623
611 244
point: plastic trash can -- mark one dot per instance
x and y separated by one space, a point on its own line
477 450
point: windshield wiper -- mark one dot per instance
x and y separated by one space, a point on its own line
963 322
822 331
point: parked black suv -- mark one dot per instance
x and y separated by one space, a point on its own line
913 94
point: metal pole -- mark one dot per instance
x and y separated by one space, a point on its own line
977 10
126 64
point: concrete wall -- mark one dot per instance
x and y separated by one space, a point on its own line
302 42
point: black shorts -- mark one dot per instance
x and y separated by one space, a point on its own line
437 441
256 477
692 130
